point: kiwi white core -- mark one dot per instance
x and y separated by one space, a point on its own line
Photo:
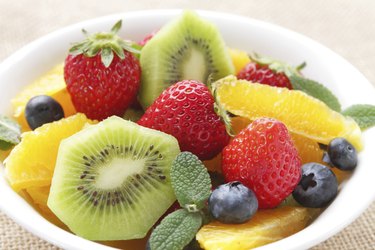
115 172
195 66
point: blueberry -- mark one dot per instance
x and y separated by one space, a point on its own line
148 245
317 187
341 154
232 203
42 109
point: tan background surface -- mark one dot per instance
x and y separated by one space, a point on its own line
345 26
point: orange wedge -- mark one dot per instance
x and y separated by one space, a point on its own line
4 154
51 84
214 164
51 217
239 58
301 113
266 226
39 195
32 162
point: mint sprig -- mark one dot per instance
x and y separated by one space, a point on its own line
10 133
176 230
190 181
192 186
363 114
315 90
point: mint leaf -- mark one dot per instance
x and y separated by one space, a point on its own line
175 231
10 132
315 90
190 181
5 145
363 114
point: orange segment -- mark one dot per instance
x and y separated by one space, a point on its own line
308 150
214 164
39 195
4 154
301 113
31 163
266 226
239 58
239 123
51 217
52 84
42 209
26 196
341 175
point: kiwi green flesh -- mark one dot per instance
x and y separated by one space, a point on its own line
112 180
188 48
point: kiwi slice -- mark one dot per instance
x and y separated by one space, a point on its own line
187 48
112 180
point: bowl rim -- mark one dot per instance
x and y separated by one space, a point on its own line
56 234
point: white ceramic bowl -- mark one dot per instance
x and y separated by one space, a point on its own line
323 65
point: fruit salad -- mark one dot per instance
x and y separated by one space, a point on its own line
178 141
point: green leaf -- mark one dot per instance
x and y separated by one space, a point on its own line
10 132
106 42
131 46
77 48
218 108
116 27
5 145
224 116
175 231
315 90
135 48
92 51
107 56
276 65
363 114
190 181
118 50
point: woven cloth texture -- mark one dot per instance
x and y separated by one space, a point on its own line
345 26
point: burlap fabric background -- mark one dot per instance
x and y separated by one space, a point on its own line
345 26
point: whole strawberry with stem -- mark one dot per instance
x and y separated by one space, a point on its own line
269 71
102 74
186 110
264 158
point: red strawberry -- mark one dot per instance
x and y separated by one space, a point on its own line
186 111
147 38
255 72
102 75
263 158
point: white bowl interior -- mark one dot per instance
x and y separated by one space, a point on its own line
251 35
